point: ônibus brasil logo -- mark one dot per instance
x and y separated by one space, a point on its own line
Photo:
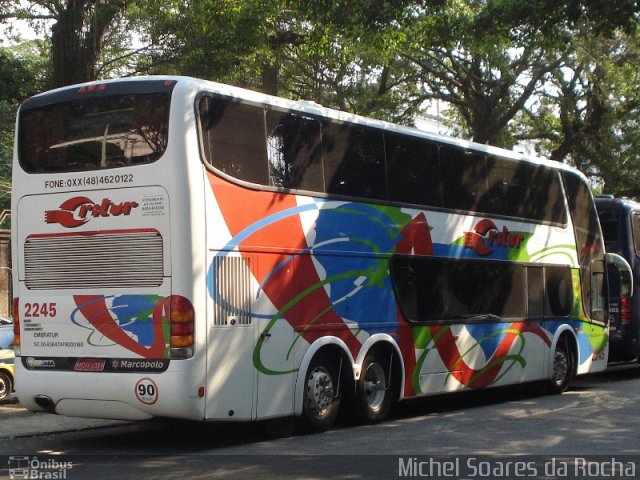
79 210
486 236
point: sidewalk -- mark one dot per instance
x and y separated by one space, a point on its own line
17 421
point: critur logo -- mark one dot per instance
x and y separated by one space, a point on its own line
79 210
486 237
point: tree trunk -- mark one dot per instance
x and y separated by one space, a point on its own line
77 39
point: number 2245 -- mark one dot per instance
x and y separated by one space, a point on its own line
40 309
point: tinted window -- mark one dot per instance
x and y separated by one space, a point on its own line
544 199
609 230
435 289
234 139
465 179
414 170
558 299
297 151
535 292
507 187
94 133
488 184
354 161
294 152
587 233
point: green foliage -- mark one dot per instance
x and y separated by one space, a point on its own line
561 74
19 78
487 67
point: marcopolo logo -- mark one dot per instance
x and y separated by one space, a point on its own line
486 237
79 210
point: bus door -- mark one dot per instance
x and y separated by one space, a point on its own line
232 336
250 348
278 343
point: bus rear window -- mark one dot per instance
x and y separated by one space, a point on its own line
94 133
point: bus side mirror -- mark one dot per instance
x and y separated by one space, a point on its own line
623 269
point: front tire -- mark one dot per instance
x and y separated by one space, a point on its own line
563 366
321 400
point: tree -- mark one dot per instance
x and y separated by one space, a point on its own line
18 79
560 73
487 71
77 33
596 110
334 53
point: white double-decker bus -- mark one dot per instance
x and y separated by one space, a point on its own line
188 249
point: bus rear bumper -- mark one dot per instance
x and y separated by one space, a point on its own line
109 396
78 407
82 407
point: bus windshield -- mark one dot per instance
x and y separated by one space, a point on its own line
94 133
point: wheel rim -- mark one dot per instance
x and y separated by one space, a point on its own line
320 391
560 365
4 388
375 386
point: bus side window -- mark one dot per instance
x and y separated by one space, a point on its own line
464 174
558 291
535 292
414 171
546 201
507 187
353 160
436 290
586 225
234 139
294 151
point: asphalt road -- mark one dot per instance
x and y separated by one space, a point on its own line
504 433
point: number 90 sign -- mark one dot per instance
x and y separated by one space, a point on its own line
147 391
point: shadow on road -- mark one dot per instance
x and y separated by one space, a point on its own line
176 437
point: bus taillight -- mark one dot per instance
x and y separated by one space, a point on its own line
16 326
625 310
182 327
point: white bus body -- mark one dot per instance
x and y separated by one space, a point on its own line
181 250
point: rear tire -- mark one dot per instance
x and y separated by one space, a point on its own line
563 366
321 401
373 390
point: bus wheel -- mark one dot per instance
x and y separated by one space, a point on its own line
321 401
563 366
6 386
373 391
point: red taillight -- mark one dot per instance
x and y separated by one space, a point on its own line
182 321
625 310
16 326
181 329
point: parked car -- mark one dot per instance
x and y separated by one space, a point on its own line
7 361
620 222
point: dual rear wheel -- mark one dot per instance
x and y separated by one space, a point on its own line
327 385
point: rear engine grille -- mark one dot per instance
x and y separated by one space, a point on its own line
94 260
233 290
